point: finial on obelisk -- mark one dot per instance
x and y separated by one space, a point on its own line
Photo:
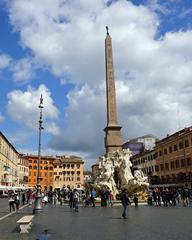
107 30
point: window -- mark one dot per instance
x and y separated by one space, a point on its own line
166 166
35 161
72 165
34 167
161 167
55 166
186 143
78 178
172 165
64 165
182 162
78 172
68 166
165 151
188 161
55 173
177 164
78 165
175 147
60 173
30 167
30 161
64 172
170 149
180 145
160 153
60 166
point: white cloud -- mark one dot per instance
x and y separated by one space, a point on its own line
5 61
23 70
23 108
153 76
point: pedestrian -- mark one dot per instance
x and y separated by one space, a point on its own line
154 194
110 202
159 197
11 203
45 199
23 198
135 199
17 201
76 200
93 196
54 198
125 202
71 199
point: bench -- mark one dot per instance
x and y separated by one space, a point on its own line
25 223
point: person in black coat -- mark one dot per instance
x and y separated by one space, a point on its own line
125 202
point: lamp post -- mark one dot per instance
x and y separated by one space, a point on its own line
38 198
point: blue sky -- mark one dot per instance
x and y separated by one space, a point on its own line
64 60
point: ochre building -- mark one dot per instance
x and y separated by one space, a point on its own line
46 171
8 163
68 172
174 158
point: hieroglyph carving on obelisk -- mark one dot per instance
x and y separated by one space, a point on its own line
113 139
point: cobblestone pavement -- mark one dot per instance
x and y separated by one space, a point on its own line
144 223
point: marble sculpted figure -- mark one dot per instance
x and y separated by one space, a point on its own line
116 173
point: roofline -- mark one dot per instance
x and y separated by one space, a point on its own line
184 130
11 145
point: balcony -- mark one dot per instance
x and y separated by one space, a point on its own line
6 170
4 180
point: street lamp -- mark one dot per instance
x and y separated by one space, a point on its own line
38 198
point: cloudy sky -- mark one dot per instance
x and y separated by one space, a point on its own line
57 48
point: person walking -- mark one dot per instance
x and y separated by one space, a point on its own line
17 202
125 202
93 196
11 203
110 202
135 199
23 198
71 198
76 200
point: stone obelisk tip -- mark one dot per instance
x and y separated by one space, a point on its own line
107 30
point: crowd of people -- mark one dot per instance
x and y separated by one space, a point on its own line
72 197
20 197
169 197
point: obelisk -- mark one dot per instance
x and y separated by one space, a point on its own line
113 139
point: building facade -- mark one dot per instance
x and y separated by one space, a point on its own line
23 171
174 158
68 172
46 171
9 158
145 161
